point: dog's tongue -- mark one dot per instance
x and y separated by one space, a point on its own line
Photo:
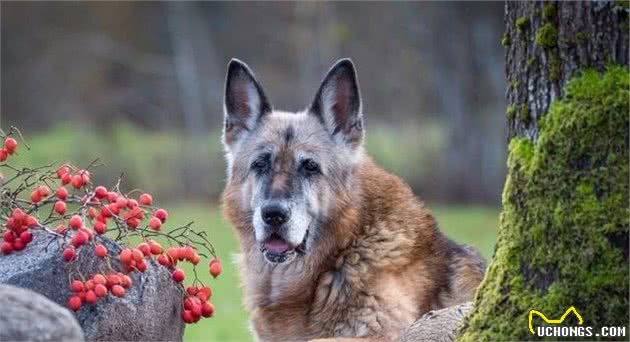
276 245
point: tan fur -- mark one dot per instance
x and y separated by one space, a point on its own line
380 264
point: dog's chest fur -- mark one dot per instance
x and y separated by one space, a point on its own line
375 279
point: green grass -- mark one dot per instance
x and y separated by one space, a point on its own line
476 226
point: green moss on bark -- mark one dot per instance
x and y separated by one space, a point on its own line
522 24
547 36
563 239
549 11
505 40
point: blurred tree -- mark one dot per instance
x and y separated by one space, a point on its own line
563 239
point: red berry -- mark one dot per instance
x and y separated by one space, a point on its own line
89 285
113 208
155 223
69 254
100 251
137 255
43 190
79 239
6 248
8 236
36 197
187 316
105 213
192 290
62 170
26 237
99 279
100 290
125 256
118 290
121 202
132 203
18 245
145 199
195 259
126 280
88 233
18 214
77 286
10 145
145 249
60 207
155 248
66 178
76 222
215 267
133 223
207 309
90 297
204 293
188 304
162 214
178 275
74 303
62 193
114 279
31 221
174 253
196 310
3 154
164 260
93 213
77 181
141 266
100 227
100 192
112 197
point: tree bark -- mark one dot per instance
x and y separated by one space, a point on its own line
563 238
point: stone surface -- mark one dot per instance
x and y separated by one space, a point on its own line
439 325
28 316
149 311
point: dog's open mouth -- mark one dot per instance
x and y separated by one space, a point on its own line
277 250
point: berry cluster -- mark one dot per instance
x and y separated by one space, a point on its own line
89 292
9 147
17 234
197 304
85 216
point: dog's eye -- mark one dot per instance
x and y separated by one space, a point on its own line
260 164
310 166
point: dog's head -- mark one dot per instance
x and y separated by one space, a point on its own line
289 168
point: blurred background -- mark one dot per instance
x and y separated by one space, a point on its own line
139 85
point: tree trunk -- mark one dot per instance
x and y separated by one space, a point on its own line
563 238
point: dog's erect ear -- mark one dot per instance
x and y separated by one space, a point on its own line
244 103
338 103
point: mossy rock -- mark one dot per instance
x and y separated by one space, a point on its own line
563 238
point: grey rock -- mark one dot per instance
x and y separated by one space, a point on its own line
149 311
439 325
28 316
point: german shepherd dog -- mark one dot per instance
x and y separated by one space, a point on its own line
332 246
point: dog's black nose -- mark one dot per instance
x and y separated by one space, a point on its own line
274 215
